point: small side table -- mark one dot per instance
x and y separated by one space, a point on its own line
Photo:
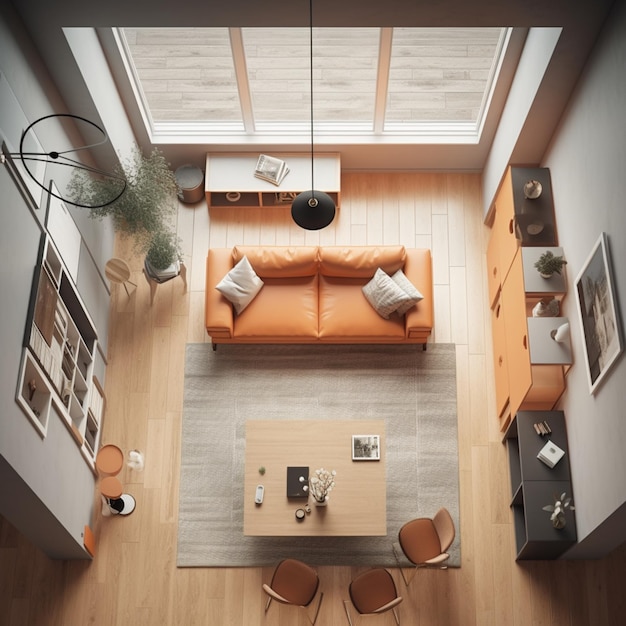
120 503
117 271
109 460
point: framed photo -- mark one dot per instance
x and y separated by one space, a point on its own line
599 316
366 447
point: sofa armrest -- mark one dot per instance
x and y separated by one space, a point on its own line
218 311
418 269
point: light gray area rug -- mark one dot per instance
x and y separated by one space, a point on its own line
414 391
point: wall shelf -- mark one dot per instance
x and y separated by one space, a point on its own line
58 361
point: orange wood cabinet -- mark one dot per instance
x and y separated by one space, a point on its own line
532 387
520 384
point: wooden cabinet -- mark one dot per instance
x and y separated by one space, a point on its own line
523 382
519 221
58 361
500 358
230 180
535 485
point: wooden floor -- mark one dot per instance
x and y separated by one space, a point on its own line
134 579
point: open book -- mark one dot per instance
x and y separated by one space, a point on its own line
271 169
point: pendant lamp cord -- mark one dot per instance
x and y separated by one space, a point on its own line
311 79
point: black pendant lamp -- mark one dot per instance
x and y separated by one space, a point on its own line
312 210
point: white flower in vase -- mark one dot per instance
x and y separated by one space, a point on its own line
321 484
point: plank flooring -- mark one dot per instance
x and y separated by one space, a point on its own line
134 580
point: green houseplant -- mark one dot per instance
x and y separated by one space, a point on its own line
163 251
147 205
548 264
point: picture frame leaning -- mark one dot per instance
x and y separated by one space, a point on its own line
603 340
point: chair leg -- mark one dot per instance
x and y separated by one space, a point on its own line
345 605
407 581
183 275
269 601
395 614
317 610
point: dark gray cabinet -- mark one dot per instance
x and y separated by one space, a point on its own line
535 485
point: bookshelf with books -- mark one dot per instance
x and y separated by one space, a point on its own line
58 360
232 181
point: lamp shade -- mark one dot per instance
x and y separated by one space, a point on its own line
313 210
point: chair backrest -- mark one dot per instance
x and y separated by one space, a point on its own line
293 582
445 528
374 591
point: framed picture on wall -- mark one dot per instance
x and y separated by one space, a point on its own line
602 334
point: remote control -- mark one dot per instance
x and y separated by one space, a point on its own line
258 496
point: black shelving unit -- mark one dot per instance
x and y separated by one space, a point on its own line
535 485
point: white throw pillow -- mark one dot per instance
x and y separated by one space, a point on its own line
384 294
409 288
240 285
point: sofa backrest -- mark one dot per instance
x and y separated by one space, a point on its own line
279 261
360 261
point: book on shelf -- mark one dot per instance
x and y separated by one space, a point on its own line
271 169
550 454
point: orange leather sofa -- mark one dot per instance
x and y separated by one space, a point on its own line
314 294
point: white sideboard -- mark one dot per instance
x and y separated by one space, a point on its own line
230 180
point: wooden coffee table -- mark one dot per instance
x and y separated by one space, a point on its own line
357 505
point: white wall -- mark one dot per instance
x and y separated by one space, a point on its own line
587 162
47 490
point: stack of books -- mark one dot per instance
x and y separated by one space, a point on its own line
271 169
550 454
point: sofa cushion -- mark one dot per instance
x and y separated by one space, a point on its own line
286 307
409 288
280 261
360 261
346 315
240 285
384 294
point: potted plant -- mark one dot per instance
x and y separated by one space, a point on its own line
548 264
144 208
163 255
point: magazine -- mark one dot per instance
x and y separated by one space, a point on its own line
271 169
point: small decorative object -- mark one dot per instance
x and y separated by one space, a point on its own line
365 447
262 470
532 189
547 264
561 334
32 387
546 307
558 510
320 485
135 460
550 454
300 513
599 314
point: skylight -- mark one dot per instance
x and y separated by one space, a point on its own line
373 82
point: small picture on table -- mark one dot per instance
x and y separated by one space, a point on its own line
365 447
